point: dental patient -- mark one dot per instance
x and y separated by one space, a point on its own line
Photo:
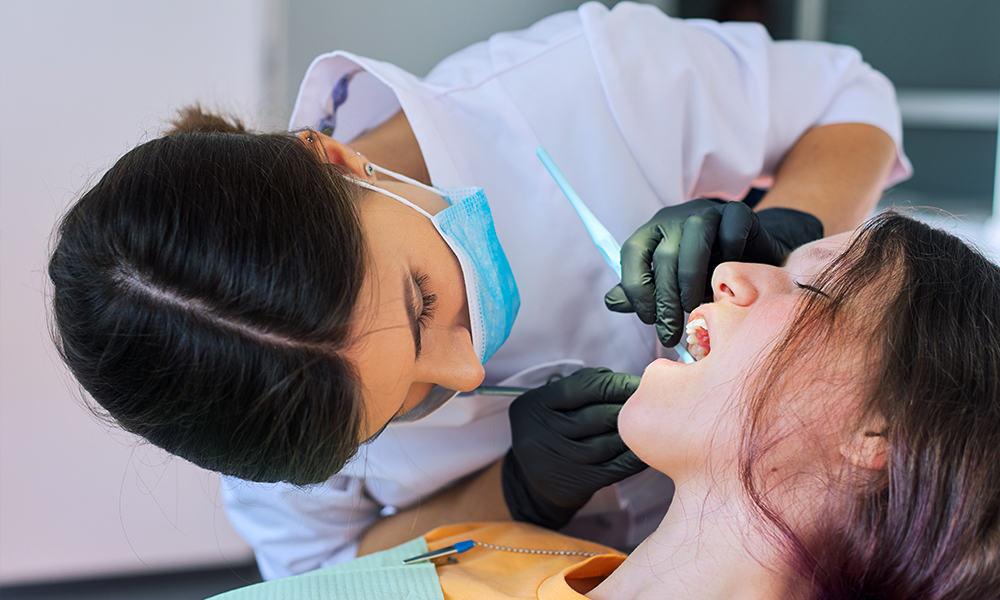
838 438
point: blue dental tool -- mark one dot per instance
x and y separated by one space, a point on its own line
459 548
609 247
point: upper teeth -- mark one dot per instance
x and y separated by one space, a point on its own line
694 324
694 346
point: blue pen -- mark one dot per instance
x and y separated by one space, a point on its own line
610 249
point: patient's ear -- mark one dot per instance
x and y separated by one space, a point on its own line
867 447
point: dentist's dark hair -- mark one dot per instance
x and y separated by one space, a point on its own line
203 291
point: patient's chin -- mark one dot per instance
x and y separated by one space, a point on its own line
639 425
679 417
627 428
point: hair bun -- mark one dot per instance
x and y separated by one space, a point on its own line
195 119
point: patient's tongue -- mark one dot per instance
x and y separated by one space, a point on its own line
702 336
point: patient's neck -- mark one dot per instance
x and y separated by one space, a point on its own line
705 547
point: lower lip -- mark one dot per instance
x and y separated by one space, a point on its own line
673 362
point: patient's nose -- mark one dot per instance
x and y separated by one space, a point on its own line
743 283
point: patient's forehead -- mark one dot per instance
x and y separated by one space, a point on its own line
812 257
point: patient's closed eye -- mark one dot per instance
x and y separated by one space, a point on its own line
811 288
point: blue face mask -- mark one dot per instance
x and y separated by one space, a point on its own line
466 225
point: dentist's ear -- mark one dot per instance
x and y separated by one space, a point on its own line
867 448
336 153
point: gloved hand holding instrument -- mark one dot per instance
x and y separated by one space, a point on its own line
667 263
565 446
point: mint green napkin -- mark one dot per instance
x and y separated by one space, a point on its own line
379 576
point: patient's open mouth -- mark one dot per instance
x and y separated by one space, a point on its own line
698 342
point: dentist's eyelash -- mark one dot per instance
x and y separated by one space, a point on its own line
310 134
811 288
428 301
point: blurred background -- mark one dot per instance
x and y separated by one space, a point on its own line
87 511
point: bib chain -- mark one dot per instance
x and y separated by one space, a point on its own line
536 550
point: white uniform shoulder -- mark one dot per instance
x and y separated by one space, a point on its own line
477 63
737 99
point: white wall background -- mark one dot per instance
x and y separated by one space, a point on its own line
83 82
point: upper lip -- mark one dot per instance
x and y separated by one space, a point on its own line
699 314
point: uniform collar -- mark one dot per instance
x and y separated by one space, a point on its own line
375 95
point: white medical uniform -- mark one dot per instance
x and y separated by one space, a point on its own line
640 111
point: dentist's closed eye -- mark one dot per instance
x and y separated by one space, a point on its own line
421 309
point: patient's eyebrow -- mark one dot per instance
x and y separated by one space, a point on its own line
821 254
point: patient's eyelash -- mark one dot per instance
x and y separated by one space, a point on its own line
811 288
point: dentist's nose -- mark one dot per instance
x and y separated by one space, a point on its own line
451 360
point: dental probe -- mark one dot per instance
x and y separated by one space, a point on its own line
610 249
500 390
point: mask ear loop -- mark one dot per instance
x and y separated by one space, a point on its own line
371 168
393 195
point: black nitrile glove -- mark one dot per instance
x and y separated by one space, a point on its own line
667 263
566 446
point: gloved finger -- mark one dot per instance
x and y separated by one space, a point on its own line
558 396
669 314
610 387
763 247
616 300
734 228
592 420
624 465
560 451
788 229
589 386
637 271
602 448
693 261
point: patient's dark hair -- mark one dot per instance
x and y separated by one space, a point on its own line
923 308
203 291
